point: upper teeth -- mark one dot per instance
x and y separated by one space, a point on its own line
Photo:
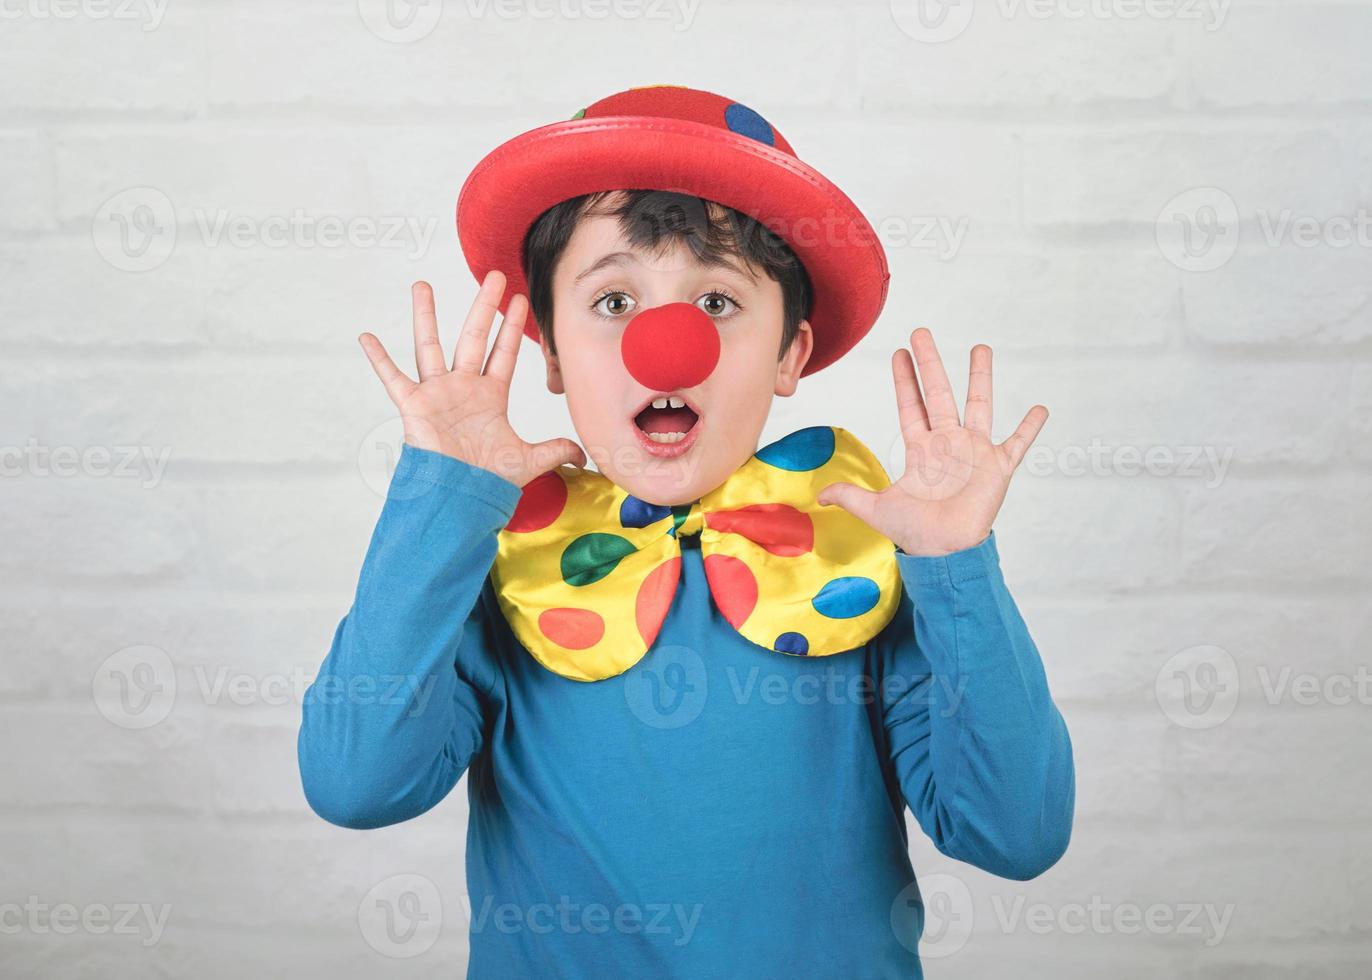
673 402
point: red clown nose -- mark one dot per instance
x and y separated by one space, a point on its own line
671 346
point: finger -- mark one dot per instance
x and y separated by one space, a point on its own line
858 501
397 384
939 402
553 453
1023 437
506 351
977 413
471 345
428 352
909 402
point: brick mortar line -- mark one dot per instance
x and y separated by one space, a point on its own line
341 351
987 112
1211 120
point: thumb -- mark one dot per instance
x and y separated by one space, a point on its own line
552 453
858 501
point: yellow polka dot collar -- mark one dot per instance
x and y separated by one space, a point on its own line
585 572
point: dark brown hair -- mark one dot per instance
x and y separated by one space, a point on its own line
658 220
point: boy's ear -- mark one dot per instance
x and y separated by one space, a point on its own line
793 361
554 369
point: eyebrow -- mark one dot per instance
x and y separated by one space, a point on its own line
622 258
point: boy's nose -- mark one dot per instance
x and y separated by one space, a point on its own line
671 346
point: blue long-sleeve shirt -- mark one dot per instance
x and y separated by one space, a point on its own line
718 810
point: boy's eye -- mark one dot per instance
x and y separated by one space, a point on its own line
614 304
716 304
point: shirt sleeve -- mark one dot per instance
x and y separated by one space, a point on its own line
981 752
399 706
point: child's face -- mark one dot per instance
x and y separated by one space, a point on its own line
590 314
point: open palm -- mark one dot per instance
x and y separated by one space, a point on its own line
955 477
463 411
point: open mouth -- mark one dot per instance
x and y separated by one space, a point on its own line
667 420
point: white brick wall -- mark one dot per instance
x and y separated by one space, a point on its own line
1046 146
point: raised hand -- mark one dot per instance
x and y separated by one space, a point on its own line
955 477
463 411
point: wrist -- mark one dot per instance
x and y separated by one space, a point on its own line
420 466
507 465
941 547
944 571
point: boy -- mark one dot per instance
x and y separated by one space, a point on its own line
696 689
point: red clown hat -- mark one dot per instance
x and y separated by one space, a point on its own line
670 137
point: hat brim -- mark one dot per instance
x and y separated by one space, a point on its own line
522 178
